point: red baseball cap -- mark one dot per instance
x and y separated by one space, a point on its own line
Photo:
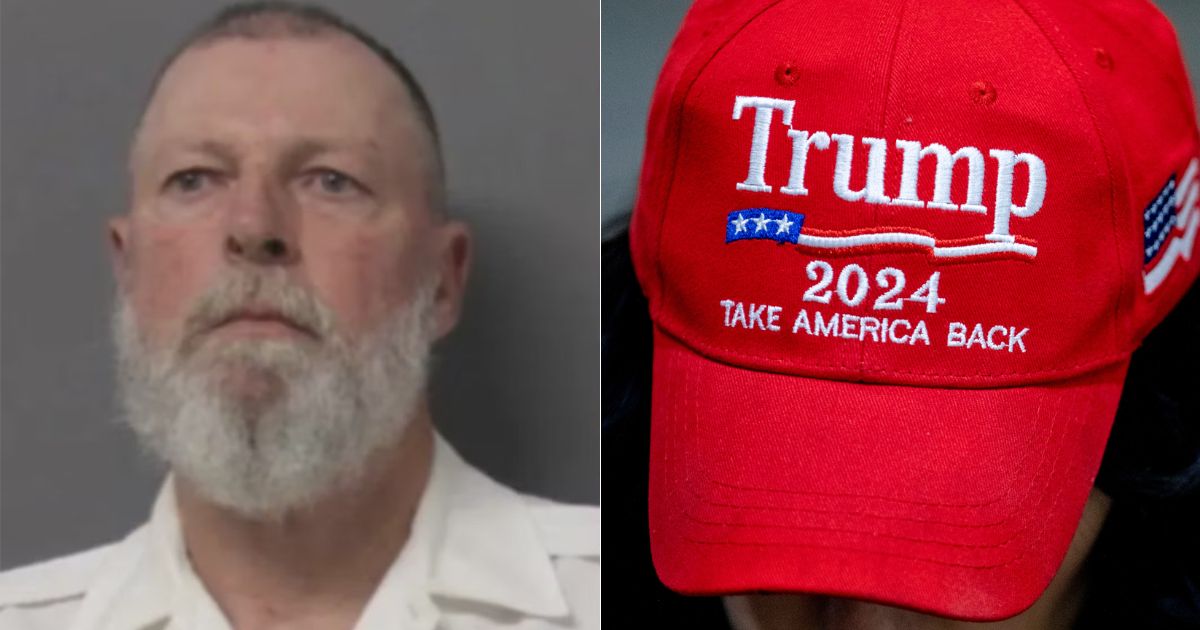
897 255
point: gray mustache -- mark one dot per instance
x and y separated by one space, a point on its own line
236 293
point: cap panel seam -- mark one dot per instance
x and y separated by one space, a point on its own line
676 112
888 76
1114 163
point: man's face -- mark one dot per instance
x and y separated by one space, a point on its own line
281 269
309 141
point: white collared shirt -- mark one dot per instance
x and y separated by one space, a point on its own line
479 555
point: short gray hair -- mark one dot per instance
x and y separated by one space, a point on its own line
280 18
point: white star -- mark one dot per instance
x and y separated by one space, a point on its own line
785 226
760 223
740 224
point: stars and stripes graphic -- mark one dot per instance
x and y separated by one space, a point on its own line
1158 219
1170 224
787 227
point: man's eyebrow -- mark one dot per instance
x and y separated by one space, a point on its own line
217 149
308 147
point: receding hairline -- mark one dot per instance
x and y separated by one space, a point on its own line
256 21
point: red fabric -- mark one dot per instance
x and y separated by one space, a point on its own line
955 502
847 424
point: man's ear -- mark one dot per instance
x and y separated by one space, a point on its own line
454 254
118 249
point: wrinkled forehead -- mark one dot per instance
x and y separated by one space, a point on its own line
276 88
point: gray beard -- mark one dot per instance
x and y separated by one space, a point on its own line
322 409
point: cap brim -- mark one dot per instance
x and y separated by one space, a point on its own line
956 502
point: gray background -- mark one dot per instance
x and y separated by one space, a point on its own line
515 86
635 41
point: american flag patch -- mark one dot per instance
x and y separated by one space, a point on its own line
1170 224
1158 219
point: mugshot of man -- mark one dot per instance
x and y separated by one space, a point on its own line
285 265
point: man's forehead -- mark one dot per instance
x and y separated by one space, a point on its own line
212 142
326 84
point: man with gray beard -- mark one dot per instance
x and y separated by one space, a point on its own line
284 268
311 421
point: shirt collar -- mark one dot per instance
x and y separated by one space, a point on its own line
472 540
491 551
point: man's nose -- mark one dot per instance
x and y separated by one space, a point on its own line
260 226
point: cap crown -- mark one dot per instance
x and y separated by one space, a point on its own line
932 192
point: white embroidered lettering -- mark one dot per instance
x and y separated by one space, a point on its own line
1004 184
977 337
1015 338
756 313
739 315
849 326
861 328
943 177
997 338
994 345
860 285
802 323
764 110
913 153
773 317
872 192
920 333
827 329
728 304
958 335
870 326
801 141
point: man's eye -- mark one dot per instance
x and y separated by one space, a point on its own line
336 183
190 180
